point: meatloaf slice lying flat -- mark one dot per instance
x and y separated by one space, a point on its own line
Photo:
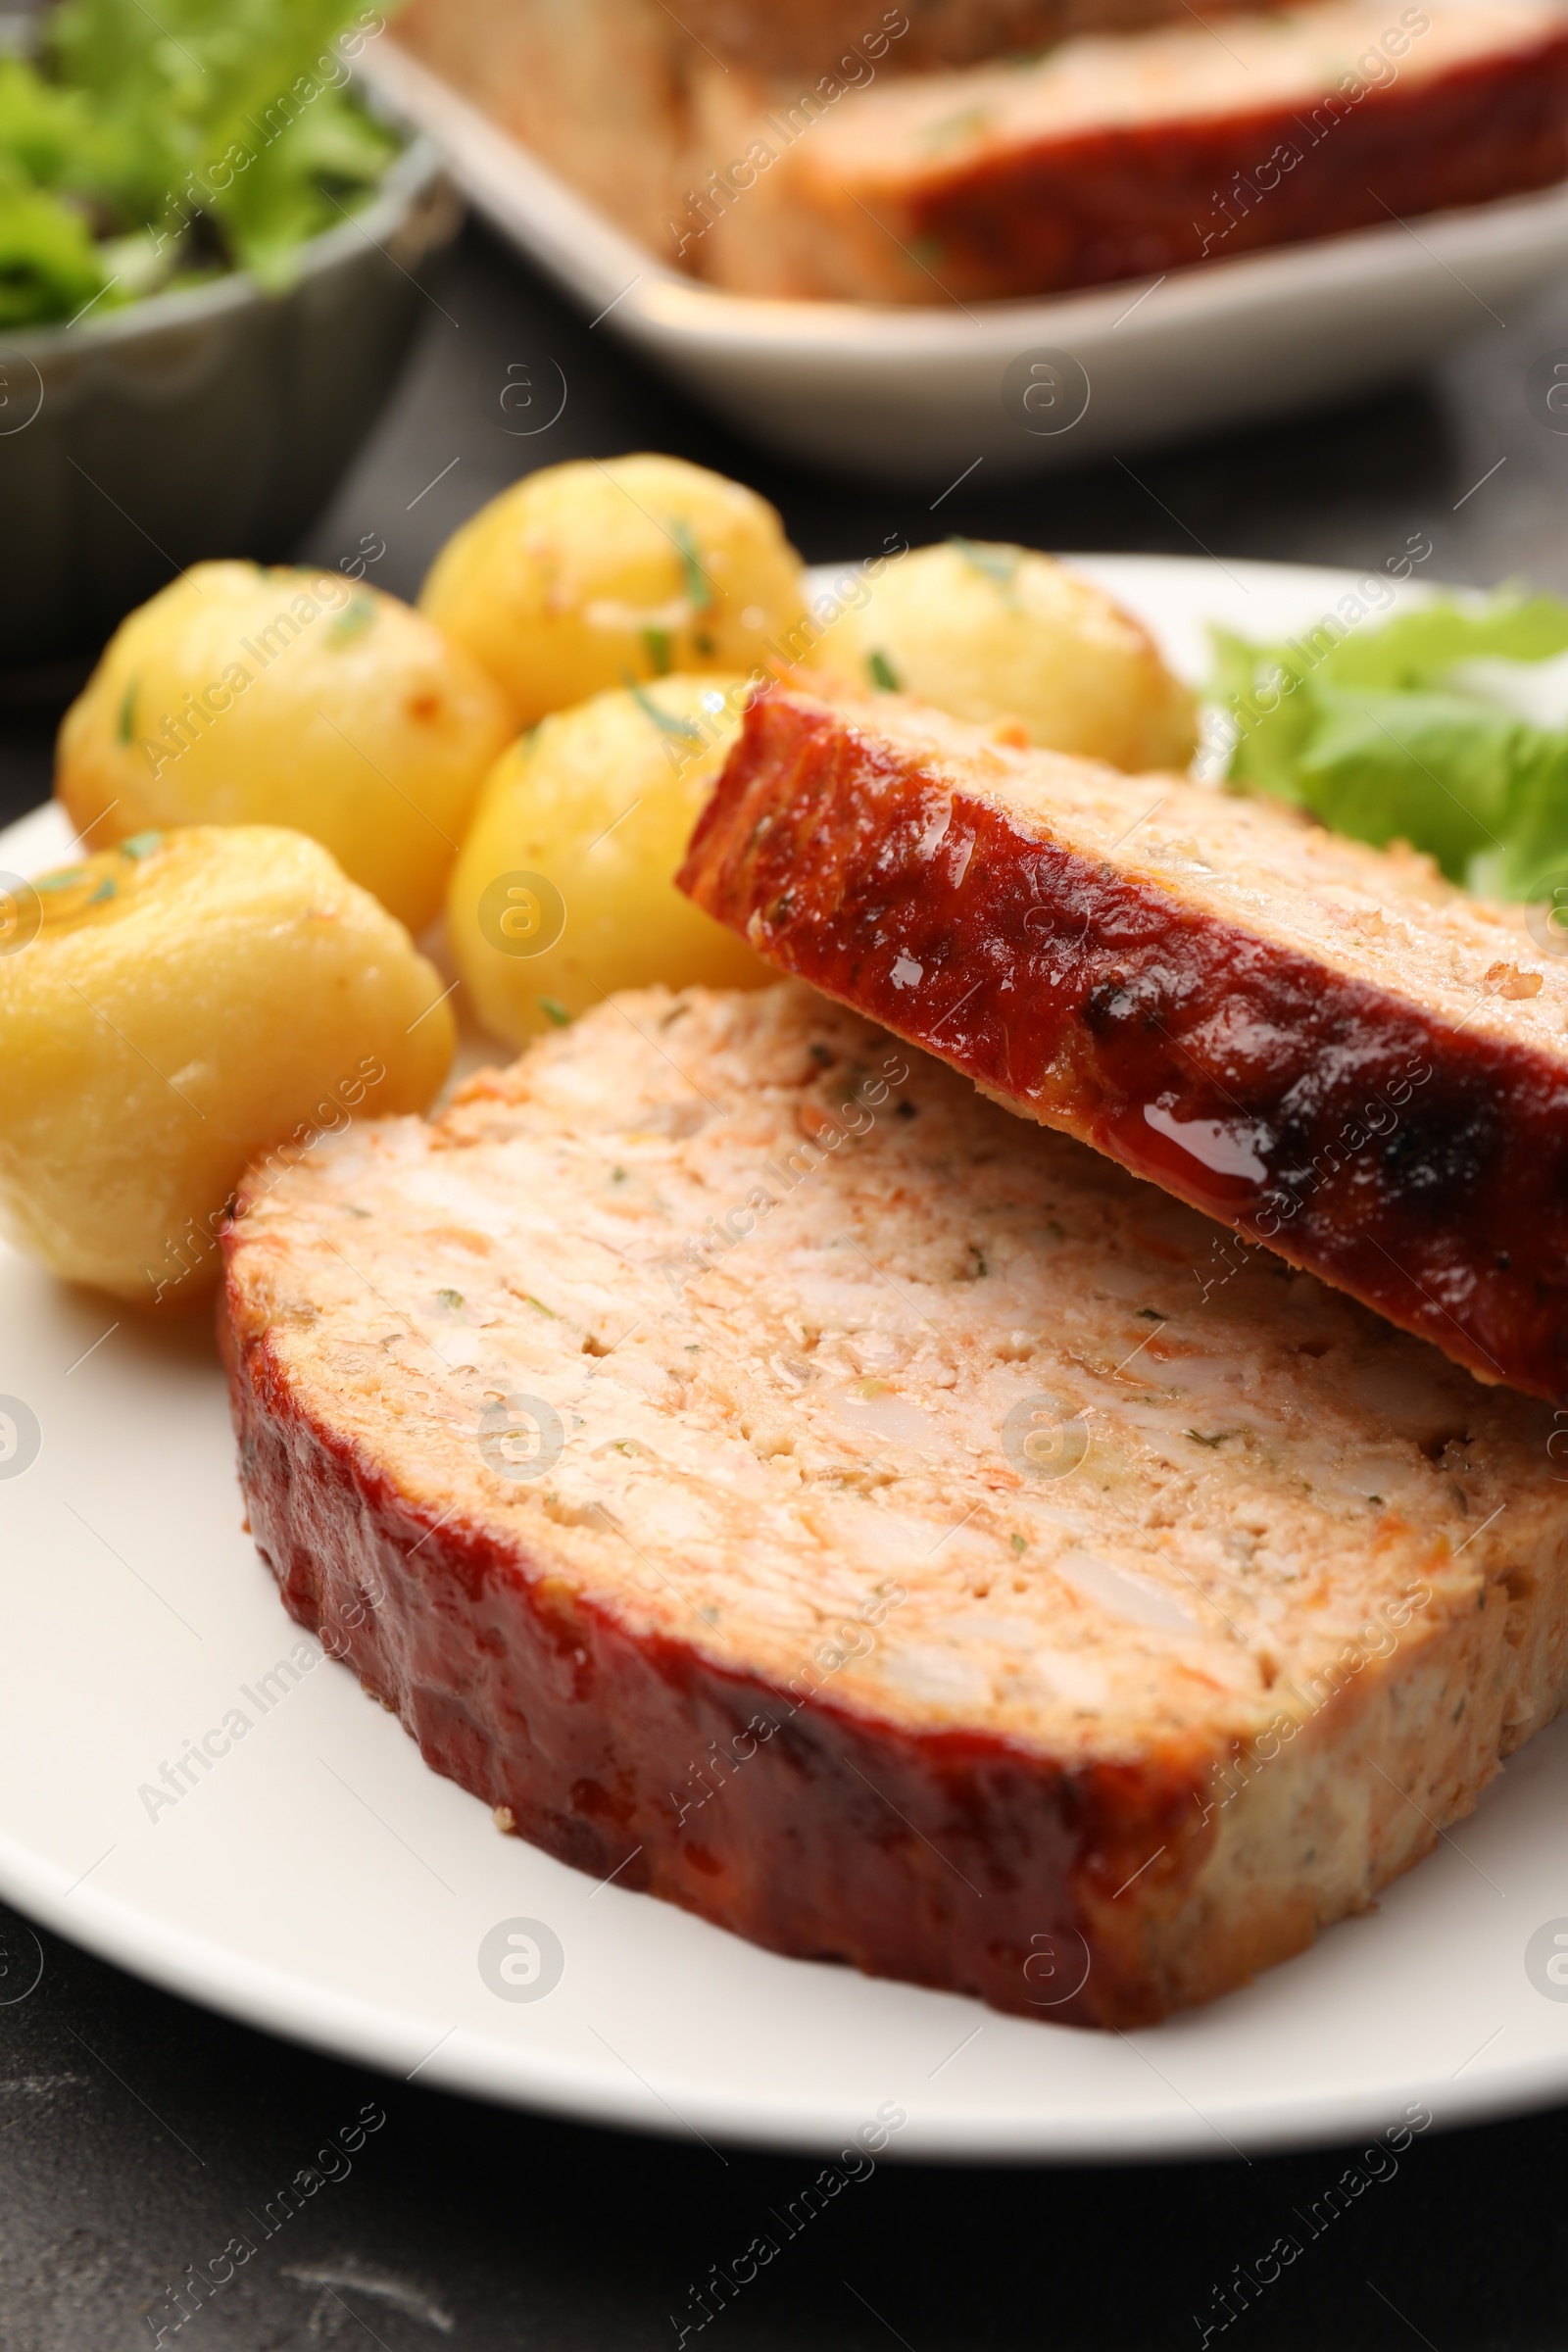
1324 1045
773 1474
1115 157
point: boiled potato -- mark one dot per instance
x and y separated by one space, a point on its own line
565 888
988 632
585 577
168 1010
246 696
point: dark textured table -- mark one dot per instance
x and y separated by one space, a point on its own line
137 2134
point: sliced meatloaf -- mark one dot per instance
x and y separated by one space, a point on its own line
477 39
647 110
1322 1044
767 1471
1112 158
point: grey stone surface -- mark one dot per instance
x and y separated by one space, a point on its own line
139 2136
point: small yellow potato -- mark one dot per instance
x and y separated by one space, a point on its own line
999 633
242 695
564 890
174 1008
586 576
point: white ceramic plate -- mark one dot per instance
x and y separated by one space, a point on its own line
319 1882
895 393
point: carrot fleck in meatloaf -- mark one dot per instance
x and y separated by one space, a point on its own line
1324 1045
777 1475
1112 158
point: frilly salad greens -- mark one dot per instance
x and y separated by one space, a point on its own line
1446 727
142 149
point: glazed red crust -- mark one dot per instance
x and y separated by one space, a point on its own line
1131 201
1448 1215
951 1860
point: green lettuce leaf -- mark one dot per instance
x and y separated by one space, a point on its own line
49 264
42 130
219 131
232 109
1379 737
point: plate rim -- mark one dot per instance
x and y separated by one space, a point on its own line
363 2033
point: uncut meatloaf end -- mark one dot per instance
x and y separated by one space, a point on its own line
1111 159
779 1478
1322 1044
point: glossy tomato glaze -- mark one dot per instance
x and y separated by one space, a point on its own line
1421 1167
950 1860
1127 202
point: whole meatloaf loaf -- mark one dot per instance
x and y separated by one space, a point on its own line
1111 158
1324 1045
769 1473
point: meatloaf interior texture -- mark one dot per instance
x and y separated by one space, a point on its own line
766 1470
1325 1045
952 151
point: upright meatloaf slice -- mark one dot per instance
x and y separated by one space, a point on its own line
773 1476
1322 1044
1111 158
